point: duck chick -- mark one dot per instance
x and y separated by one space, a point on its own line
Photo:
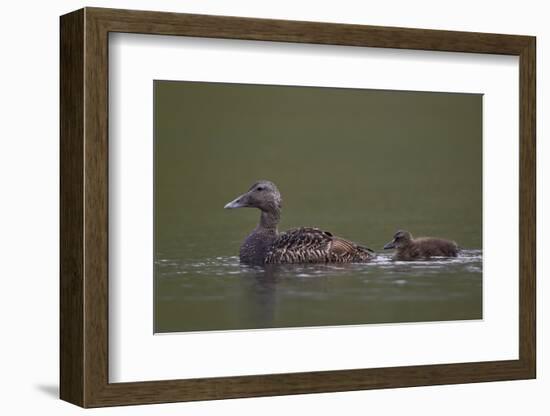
409 248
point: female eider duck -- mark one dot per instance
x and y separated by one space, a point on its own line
300 245
420 248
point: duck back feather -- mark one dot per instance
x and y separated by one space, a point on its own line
312 245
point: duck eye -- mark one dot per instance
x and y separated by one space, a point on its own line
260 188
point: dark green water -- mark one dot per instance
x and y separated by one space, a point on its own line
358 163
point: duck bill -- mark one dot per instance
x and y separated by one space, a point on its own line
239 202
390 245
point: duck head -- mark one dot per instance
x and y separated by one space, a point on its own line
263 195
400 239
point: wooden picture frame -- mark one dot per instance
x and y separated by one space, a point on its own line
84 207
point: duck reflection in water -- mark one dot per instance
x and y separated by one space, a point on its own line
262 284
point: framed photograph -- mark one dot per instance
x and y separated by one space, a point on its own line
255 207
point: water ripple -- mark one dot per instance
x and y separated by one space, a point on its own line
469 261
219 292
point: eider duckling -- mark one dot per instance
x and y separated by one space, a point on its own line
265 245
420 248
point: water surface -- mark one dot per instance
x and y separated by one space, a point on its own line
220 293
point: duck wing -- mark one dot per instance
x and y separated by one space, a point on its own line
312 245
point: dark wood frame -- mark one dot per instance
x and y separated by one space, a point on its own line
84 207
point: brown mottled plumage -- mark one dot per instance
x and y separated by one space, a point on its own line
312 245
420 248
299 245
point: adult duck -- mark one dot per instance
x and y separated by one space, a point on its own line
264 245
423 248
